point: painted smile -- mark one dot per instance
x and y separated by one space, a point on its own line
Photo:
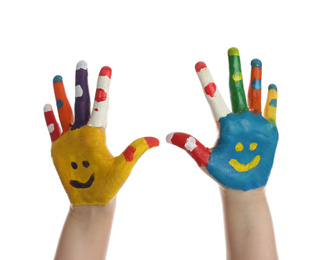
80 185
240 167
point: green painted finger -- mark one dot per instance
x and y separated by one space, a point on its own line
236 87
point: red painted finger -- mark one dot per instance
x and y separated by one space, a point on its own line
52 125
255 87
192 146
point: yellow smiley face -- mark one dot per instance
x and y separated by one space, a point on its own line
240 167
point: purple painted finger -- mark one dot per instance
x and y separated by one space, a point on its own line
82 99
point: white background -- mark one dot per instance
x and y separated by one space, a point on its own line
168 209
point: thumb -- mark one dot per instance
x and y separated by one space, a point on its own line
133 152
192 146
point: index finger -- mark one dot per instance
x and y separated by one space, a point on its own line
99 113
214 98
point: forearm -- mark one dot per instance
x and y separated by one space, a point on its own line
86 232
248 225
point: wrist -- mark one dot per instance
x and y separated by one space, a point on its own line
243 197
93 211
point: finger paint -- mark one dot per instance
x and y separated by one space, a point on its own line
192 146
216 102
255 86
271 104
82 99
64 109
52 125
129 153
237 94
100 108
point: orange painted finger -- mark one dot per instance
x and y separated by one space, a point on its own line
64 109
255 87
52 125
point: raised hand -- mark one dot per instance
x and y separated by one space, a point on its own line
87 169
243 156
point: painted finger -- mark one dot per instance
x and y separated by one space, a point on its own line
82 100
192 146
255 87
236 87
99 113
125 161
52 125
216 102
64 109
271 104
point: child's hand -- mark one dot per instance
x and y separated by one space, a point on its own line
243 156
88 171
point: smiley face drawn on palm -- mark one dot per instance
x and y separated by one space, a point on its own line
244 153
90 174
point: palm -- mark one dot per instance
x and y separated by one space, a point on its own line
244 154
88 171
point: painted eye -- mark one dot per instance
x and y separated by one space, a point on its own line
74 165
252 146
85 164
239 147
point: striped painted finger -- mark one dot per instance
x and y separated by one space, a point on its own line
216 102
255 87
99 113
52 125
271 104
64 109
236 87
192 146
82 99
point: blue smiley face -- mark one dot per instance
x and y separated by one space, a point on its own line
244 154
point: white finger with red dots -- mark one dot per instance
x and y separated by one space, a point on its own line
216 102
99 114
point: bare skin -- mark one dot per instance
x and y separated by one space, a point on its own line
248 225
86 232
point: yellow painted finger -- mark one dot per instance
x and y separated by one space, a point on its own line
271 104
125 161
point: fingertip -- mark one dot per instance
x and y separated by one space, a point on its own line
106 71
256 63
58 78
47 108
272 86
81 65
169 137
152 141
200 65
233 51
